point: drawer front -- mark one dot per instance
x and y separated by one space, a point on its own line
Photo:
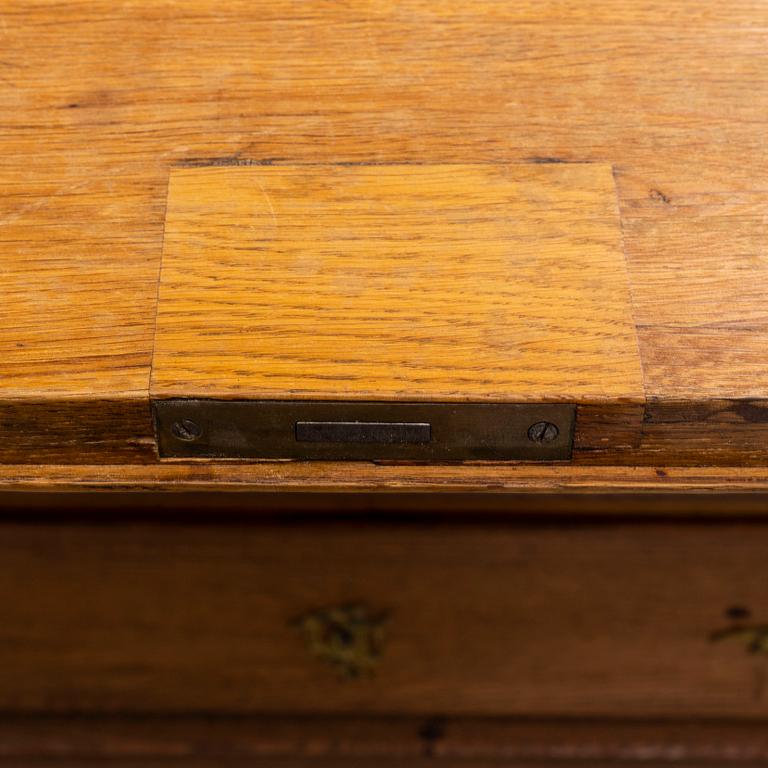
604 620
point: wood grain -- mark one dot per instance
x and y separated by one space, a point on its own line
673 95
76 431
346 477
683 501
403 741
475 283
603 620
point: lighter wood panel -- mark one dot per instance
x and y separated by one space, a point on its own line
400 282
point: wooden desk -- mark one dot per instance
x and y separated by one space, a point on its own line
112 622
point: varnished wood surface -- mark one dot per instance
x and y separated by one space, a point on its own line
99 102
192 503
601 620
480 283
333 742
344 477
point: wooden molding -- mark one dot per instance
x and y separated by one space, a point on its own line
356 477
205 740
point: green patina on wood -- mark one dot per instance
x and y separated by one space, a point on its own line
349 637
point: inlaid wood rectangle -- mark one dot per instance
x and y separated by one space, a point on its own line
413 283
489 282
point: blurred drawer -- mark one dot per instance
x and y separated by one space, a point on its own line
453 619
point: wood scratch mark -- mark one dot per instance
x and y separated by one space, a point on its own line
269 201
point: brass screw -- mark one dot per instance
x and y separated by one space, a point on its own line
186 429
543 432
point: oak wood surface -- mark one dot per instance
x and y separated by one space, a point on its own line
344 477
100 100
600 620
482 283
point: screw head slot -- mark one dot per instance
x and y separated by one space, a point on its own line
543 432
186 429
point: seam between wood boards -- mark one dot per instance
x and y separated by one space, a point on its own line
630 290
